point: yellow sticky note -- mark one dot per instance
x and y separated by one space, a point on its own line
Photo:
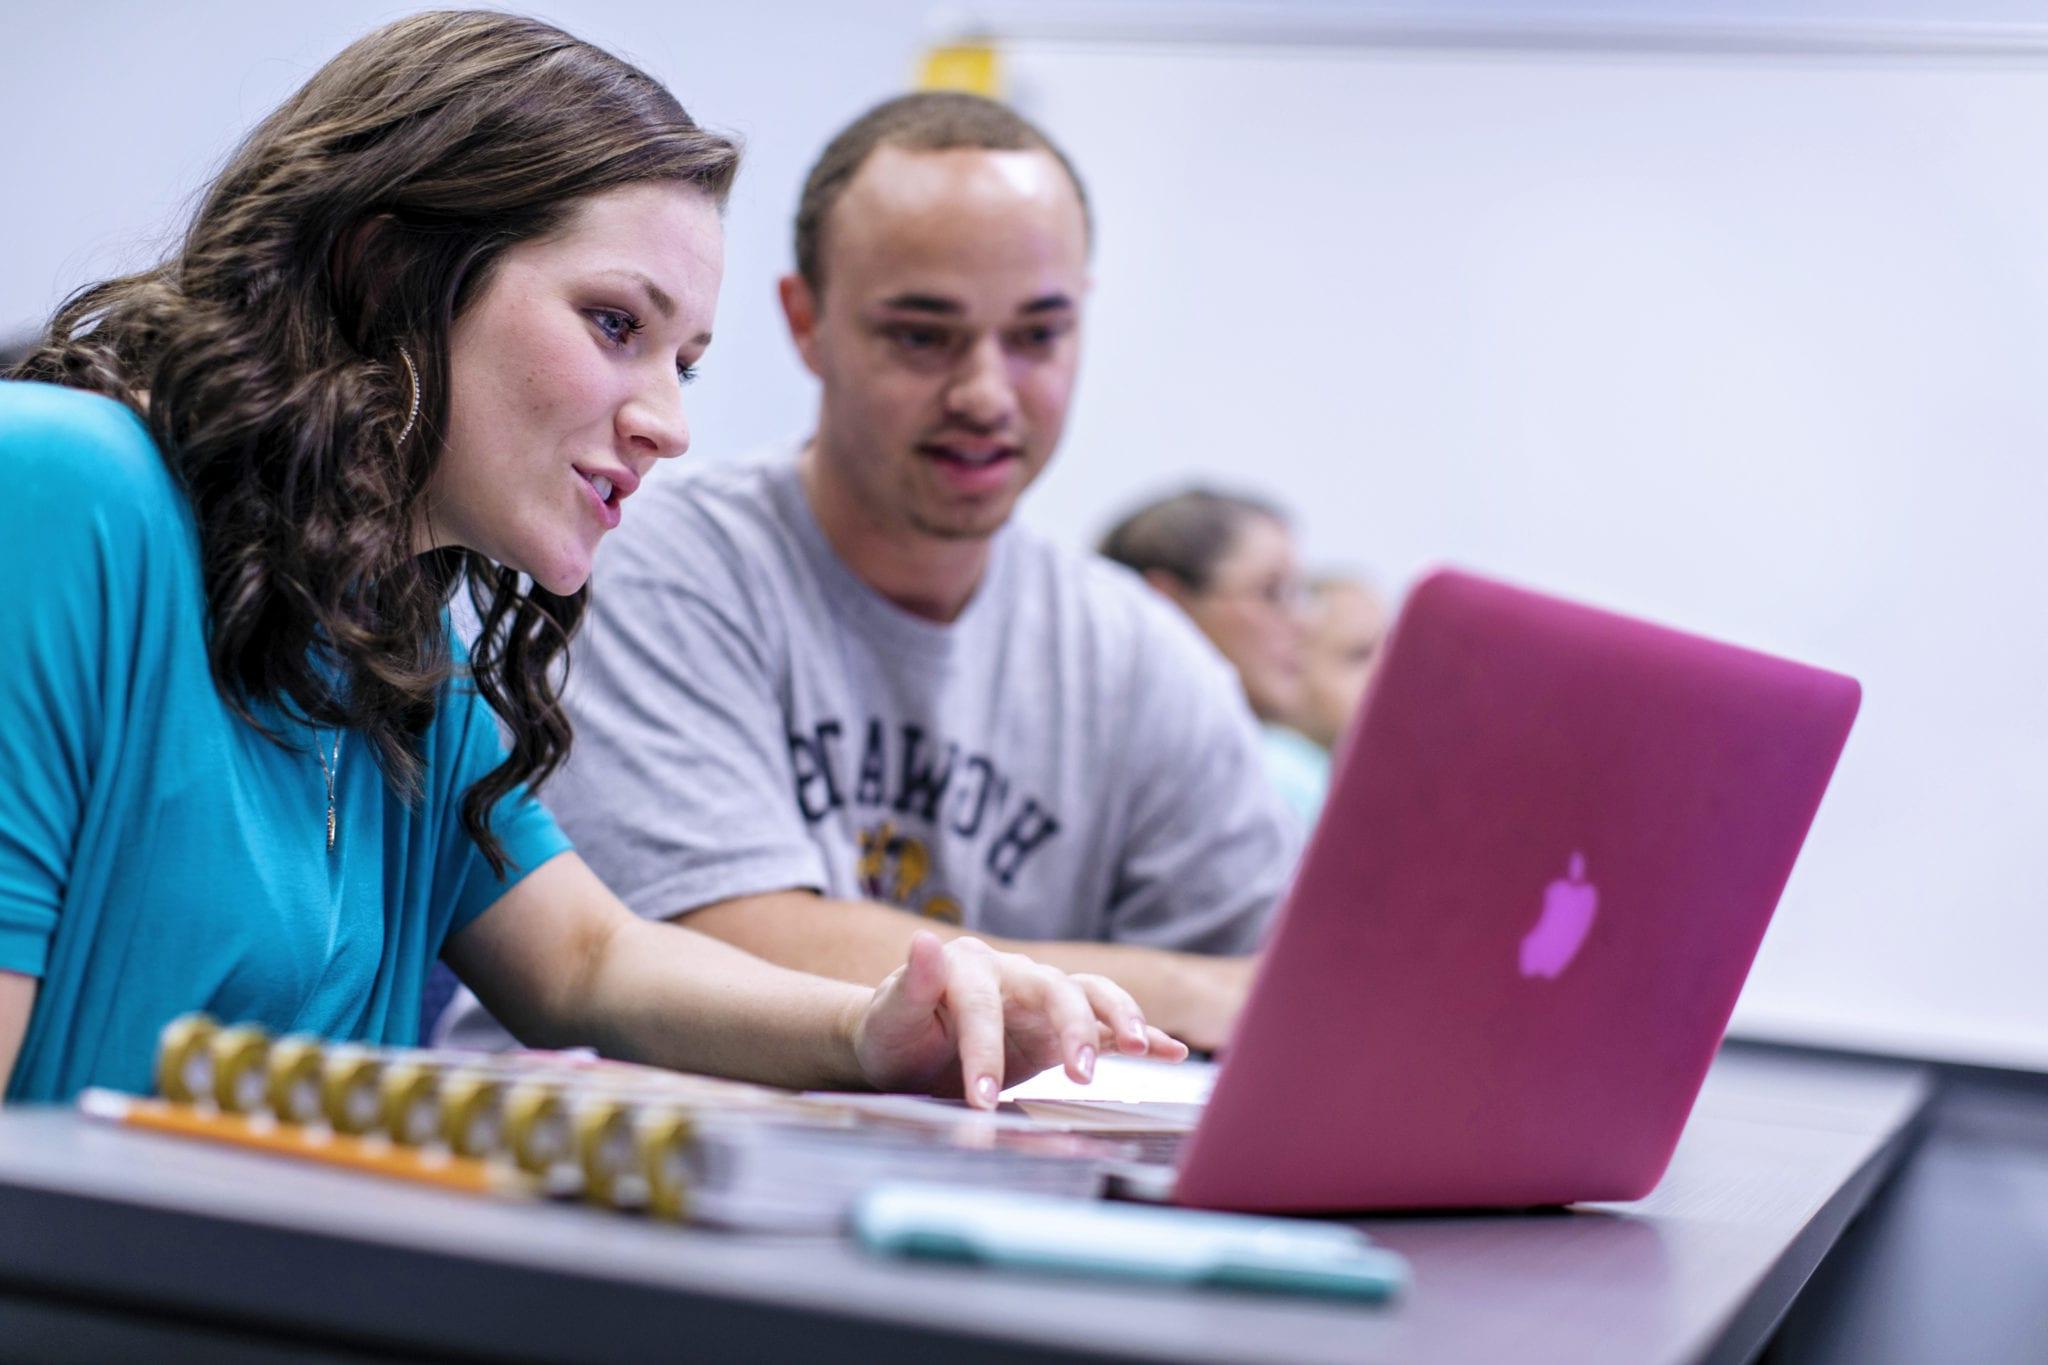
975 68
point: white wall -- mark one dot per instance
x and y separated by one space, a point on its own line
1756 345
116 113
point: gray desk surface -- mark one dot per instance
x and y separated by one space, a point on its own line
110 1236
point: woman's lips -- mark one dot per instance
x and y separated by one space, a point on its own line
604 502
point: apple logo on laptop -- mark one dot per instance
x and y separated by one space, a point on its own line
1568 906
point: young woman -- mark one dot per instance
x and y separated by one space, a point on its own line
428 329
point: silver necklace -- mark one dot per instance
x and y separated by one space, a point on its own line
328 771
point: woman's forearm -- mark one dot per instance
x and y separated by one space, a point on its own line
667 995
17 999
563 963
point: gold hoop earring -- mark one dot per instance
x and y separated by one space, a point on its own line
412 413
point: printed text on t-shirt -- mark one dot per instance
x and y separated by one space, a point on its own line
965 794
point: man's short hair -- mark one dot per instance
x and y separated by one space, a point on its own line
1185 535
930 121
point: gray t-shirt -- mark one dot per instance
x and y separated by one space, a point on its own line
1069 759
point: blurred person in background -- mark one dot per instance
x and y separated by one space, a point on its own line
1229 561
1347 623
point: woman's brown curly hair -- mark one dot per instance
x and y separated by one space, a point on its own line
363 216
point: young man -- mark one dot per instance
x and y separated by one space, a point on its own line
823 703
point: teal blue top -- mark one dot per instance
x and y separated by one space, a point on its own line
1299 769
157 854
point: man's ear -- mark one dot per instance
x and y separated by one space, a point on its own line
800 311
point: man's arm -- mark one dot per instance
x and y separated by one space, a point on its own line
1193 997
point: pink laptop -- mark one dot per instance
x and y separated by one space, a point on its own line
1553 841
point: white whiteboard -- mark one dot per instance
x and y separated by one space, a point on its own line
1754 344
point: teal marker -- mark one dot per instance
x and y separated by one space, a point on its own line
1132 1241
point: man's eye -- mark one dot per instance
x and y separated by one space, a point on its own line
918 338
1034 338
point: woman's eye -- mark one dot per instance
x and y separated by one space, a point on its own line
617 327
686 374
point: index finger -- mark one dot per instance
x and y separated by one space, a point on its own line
974 1002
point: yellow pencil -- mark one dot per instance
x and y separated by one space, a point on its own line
374 1156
